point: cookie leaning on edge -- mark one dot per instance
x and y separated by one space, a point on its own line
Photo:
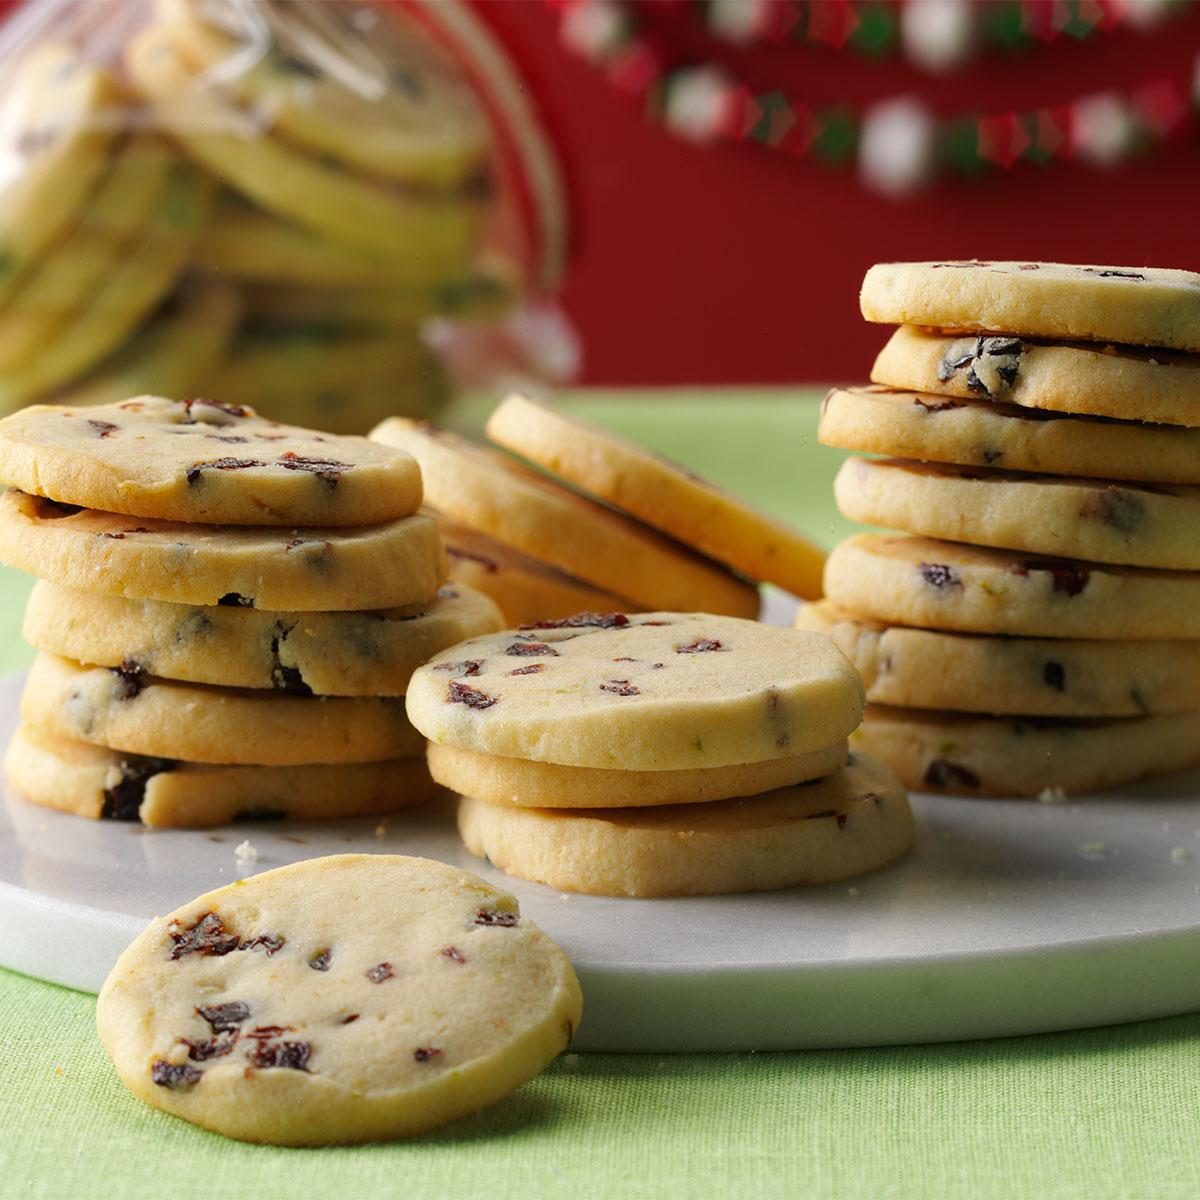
846 824
341 999
656 491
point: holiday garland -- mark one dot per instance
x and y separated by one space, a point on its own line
899 144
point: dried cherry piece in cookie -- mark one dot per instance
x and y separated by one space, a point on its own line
176 1076
206 936
224 1017
942 773
292 1056
463 693
584 620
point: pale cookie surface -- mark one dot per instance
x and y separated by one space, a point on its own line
658 492
1132 524
945 585
526 590
981 433
201 460
343 999
853 821
372 567
1099 381
326 654
165 793
1010 756
125 709
489 492
1143 306
530 784
654 692
1036 677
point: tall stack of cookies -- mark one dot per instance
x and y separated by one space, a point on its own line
1036 629
657 755
228 614
603 524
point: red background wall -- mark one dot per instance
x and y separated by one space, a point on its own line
732 264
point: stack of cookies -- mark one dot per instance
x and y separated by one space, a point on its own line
1037 629
603 525
228 614
658 755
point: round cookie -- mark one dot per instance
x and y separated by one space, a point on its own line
282 570
343 999
57 122
658 492
654 692
944 585
1012 756
125 709
851 822
1141 306
407 115
1131 524
547 785
1098 381
205 461
526 590
980 433
173 355
1036 677
129 293
62 282
164 793
321 653
487 491
307 188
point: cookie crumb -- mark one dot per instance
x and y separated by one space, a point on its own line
853 891
1181 854
381 829
246 853
1052 795
1093 851
570 1061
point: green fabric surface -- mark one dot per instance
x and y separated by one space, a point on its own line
1106 1114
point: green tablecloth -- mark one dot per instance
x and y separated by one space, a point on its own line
1097 1115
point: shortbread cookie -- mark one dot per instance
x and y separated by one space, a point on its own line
1013 756
547 785
1099 381
854 821
321 653
980 433
1037 677
406 114
282 570
525 589
307 188
945 585
658 492
201 460
164 793
1132 524
489 492
1142 306
57 122
126 709
655 692
341 999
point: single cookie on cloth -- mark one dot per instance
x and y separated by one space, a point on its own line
1014 756
526 590
945 585
530 784
343 999
493 494
1050 677
282 570
321 653
1145 525
165 793
982 433
853 821
658 492
652 692
1141 306
203 460
1097 381
125 709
